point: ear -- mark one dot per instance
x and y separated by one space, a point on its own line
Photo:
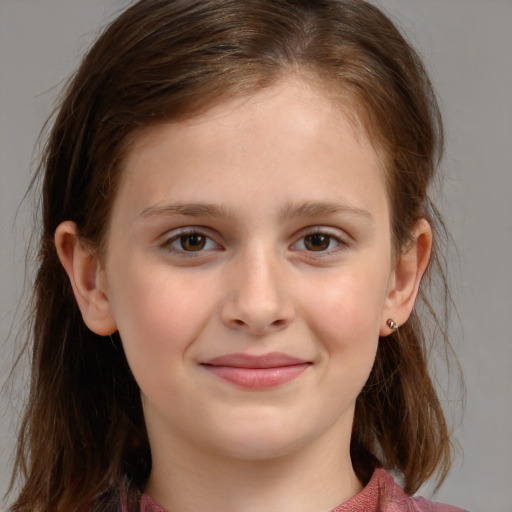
405 279
87 279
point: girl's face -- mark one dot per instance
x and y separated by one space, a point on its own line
249 271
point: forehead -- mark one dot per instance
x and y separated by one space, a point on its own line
325 100
279 135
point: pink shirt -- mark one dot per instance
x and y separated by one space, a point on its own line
381 494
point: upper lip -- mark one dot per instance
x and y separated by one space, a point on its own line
241 360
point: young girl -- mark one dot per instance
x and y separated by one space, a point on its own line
236 228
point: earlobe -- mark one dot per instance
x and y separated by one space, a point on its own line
406 278
86 278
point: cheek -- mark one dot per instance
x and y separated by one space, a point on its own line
348 305
344 315
159 315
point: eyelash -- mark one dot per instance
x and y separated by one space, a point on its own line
180 237
341 244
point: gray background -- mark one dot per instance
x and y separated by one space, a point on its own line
467 45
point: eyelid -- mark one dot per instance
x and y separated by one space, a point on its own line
172 236
341 237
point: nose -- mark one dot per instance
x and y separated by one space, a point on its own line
258 300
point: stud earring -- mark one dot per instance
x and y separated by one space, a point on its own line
391 324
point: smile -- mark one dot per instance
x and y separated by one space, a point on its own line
256 372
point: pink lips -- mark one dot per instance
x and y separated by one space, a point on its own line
256 372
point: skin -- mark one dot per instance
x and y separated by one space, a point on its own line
255 179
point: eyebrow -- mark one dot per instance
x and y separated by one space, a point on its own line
321 208
187 209
288 211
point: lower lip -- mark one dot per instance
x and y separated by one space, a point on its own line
257 378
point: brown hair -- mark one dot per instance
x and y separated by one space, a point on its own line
83 438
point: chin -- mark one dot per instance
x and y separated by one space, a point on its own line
261 450
262 441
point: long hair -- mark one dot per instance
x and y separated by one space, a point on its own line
83 441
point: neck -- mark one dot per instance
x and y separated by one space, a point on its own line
317 477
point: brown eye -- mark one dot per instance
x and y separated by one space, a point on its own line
317 242
192 242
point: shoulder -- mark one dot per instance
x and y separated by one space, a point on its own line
382 494
393 499
423 505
